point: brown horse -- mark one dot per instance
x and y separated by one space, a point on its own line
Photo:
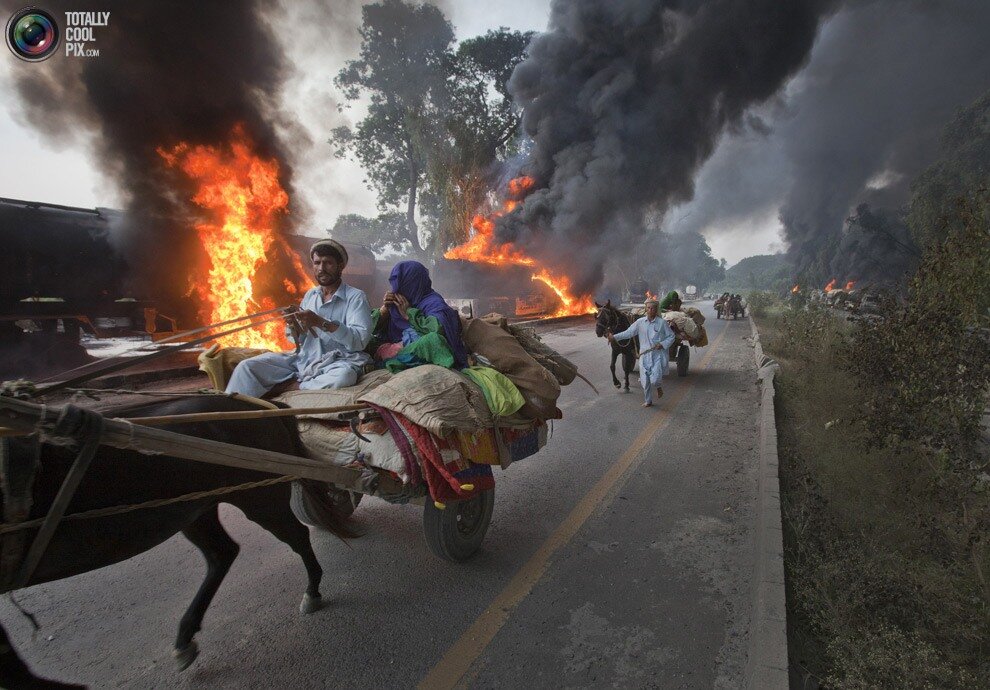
121 477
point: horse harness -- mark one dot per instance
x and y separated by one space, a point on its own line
612 316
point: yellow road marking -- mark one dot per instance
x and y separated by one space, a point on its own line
459 659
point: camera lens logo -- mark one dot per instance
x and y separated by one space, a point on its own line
32 34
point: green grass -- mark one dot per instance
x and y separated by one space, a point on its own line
883 582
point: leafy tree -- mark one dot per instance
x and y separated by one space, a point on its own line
677 259
401 71
387 232
761 272
964 166
480 126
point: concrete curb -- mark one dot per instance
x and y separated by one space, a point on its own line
766 665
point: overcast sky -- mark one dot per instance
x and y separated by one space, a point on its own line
61 172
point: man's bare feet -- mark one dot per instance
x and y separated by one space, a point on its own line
647 404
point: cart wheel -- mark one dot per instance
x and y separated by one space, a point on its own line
456 532
306 510
683 358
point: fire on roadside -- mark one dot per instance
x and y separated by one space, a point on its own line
796 289
482 247
831 285
242 197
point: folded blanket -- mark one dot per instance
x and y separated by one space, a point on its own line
439 399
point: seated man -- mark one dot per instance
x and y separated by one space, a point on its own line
415 323
335 327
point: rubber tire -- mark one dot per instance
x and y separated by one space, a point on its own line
440 527
683 359
299 503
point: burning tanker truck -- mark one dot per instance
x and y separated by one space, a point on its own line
67 270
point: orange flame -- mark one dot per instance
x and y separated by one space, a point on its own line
650 295
795 289
850 285
242 196
482 248
831 285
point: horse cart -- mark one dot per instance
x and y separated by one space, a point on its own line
734 307
83 489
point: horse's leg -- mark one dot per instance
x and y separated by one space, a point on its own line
15 674
628 363
277 518
615 356
219 550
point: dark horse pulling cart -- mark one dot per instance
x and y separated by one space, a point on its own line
83 490
612 319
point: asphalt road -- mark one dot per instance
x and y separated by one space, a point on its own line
619 556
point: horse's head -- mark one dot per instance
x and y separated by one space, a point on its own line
606 319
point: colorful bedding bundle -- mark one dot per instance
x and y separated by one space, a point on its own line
434 430
437 427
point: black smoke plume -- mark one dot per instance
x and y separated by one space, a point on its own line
855 127
890 77
624 100
166 73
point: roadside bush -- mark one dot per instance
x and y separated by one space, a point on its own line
762 302
925 369
885 486
883 656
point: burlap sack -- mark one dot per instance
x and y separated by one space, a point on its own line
506 354
433 397
334 397
683 322
554 362
328 443
702 339
695 315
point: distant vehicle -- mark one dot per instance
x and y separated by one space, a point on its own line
691 292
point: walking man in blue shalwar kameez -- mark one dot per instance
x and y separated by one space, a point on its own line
334 322
655 338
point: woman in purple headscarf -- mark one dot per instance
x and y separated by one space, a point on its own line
411 287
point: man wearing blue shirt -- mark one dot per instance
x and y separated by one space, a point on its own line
655 338
335 321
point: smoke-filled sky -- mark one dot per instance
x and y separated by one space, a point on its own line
816 121
857 124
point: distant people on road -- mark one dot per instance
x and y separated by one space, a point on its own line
655 339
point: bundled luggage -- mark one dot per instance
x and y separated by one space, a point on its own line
432 426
